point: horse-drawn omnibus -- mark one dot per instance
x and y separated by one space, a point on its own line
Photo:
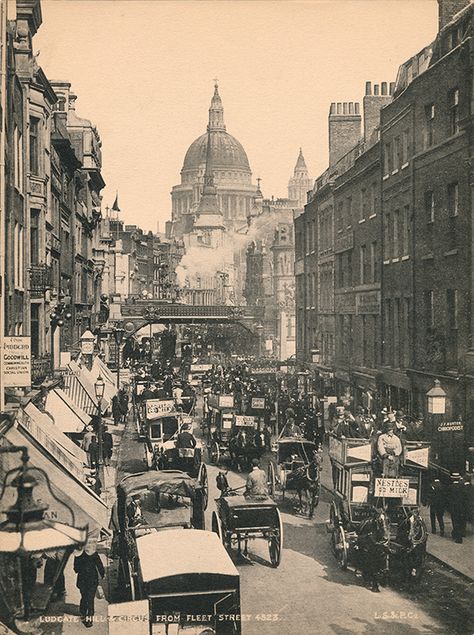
374 521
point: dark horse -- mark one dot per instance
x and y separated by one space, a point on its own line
411 546
373 538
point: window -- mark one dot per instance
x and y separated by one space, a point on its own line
454 111
34 145
363 203
405 147
395 234
387 158
406 231
429 207
18 157
453 199
374 199
34 237
373 262
349 268
429 125
35 330
396 153
386 236
340 218
362 251
452 308
349 211
428 304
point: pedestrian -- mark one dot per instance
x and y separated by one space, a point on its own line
267 435
87 438
116 409
93 453
51 568
123 401
457 507
107 446
89 569
437 503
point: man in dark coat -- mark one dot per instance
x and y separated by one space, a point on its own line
437 503
89 569
457 507
93 452
107 446
185 438
116 409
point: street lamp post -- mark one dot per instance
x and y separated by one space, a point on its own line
118 336
436 397
25 536
99 394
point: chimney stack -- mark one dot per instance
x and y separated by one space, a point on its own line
344 129
373 104
447 9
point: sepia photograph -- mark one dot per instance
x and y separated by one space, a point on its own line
236 317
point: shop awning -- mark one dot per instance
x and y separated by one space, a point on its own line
42 428
67 416
99 368
80 389
87 507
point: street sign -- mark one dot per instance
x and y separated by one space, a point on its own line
221 401
245 421
16 365
392 487
157 407
451 426
258 403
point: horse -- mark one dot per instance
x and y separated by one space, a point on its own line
412 536
237 447
373 538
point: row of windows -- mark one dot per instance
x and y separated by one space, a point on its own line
368 204
396 153
451 303
396 327
430 129
367 266
452 201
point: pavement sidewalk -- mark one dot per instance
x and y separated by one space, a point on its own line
458 557
63 616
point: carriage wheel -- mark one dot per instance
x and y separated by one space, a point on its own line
203 481
128 579
216 525
275 542
334 523
215 453
314 495
342 549
271 479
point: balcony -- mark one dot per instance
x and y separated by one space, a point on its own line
40 279
40 368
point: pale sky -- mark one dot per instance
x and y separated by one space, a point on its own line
143 71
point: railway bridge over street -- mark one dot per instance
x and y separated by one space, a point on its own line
134 316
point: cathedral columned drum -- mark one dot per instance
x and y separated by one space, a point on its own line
231 171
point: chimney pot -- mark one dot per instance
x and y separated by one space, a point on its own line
384 88
392 88
339 108
351 108
376 89
357 108
368 88
344 108
332 110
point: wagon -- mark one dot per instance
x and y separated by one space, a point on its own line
286 471
238 519
359 491
167 499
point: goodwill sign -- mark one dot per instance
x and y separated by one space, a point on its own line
16 361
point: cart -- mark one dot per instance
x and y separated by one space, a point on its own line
166 499
287 470
220 426
195 591
360 490
239 519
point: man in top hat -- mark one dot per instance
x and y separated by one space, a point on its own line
185 438
389 448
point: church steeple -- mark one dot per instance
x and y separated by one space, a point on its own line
216 111
208 203
300 183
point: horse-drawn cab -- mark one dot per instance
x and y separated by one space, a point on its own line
148 502
296 467
246 441
219 432
365 501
